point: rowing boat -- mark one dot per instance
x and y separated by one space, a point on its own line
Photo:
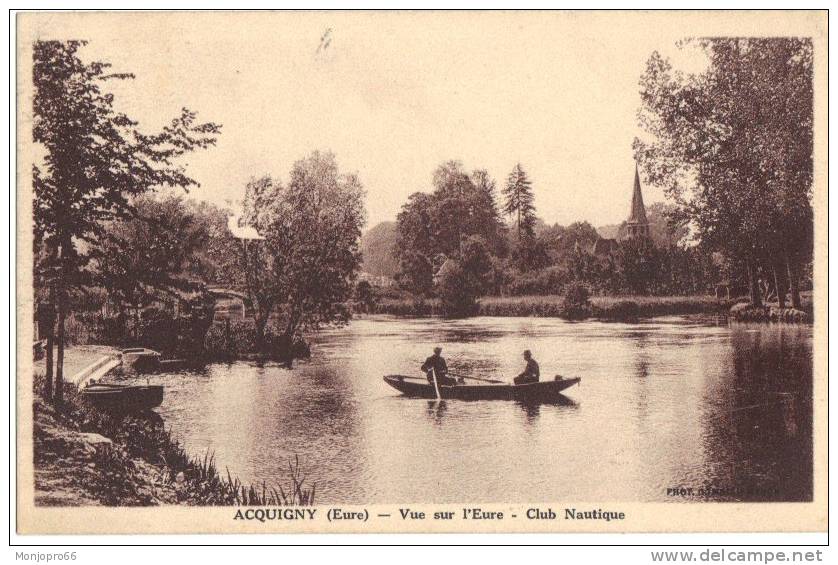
123 398
140 359
543 391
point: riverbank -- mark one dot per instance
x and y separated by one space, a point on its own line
87 457
616 308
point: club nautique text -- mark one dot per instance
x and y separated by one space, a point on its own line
338 514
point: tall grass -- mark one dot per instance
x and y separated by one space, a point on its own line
232 490
195 480
552 306
617 307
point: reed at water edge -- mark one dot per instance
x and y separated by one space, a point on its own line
143 465
617 308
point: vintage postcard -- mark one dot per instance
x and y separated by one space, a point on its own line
399 271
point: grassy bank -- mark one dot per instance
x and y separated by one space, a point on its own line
86 457
602 307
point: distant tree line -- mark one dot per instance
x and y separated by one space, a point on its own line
455 243
732 147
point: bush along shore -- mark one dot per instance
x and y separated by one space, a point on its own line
746 312
601 307
195 336
86 457
610 308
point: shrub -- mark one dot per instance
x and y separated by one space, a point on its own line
576 304
365 297
744 312
457 291
157 330
622 310
231 339
543 282
175 336
417 306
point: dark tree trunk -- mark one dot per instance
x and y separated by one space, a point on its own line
779 285
794 287
49 361
753 284
59 365
61 306
286 349
261 321
46 328
136 309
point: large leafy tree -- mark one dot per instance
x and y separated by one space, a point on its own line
305 267
733 146
463 205
158 251
435 226
95 160
378 246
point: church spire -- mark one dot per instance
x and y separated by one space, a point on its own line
638 211
637 224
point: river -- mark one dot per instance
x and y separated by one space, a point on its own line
663 404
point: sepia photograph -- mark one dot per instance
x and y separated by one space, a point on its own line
421 271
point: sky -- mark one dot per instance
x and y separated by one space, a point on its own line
395 95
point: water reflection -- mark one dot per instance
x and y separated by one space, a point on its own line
436 410
761 416
672 402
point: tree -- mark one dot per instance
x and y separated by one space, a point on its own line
95 160
561 242
519 202
415 243
438 224
455 287
262 263
463 205
476 263
666 227
416 273
485 215
378 246
732 146
156 252
306 265
637 265
365 295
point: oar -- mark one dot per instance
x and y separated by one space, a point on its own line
436 386
493 381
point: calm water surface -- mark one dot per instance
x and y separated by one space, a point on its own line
667 403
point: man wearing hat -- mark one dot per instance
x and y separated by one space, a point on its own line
436 364
531 371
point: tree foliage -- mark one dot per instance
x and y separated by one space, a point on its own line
732 146
519 202
378 246
158 250
435 226
306 265
95 160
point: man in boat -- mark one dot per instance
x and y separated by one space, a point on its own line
531 371
436 364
